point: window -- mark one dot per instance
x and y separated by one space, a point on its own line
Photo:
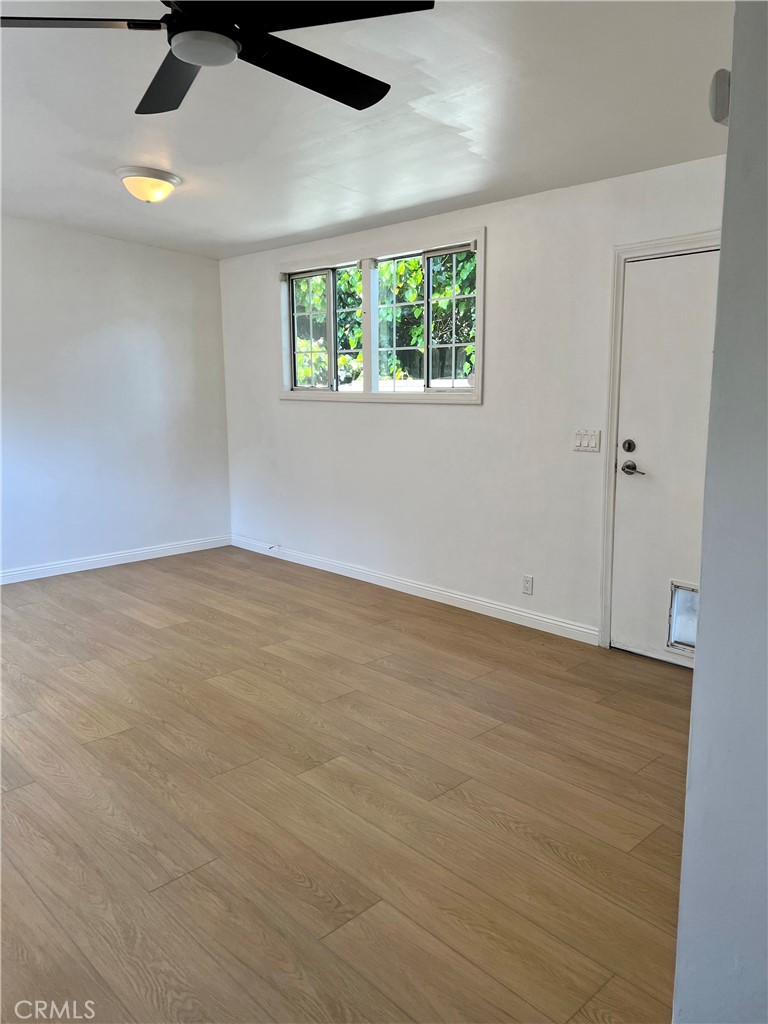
399 326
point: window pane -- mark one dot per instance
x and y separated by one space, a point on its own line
441 367
442 275
318 328
301 327
466 273
350 370
386 274
349 288
301 294
409 326
386 327
409 286
465 321
304 371
465 365
386 371
401 324
302 341
442 322
318 296
453 280
349 329
320 369
409 370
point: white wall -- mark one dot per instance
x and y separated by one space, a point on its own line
465 498
722 959
114 426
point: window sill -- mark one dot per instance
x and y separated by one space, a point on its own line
384 398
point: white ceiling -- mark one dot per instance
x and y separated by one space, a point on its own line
488 101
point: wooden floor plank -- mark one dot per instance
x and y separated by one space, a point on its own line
447 713
650 709
529 675
420 773
399 645
580 738
152 848
13 774
662 849
303 681
294 976
86 717
40 959
589 770
613 937
618 1002
597 715
646 891
612 822
157 972
668 769
316 893
241 789
138 702
537 967
21 688
428 979
198 703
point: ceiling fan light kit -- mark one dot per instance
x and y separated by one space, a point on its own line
147 184
208 33
206 49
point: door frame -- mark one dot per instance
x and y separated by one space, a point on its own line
683 245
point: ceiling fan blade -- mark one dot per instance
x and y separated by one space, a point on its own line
320 74
278 17
130 23
169 86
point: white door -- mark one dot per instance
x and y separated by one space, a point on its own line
665 380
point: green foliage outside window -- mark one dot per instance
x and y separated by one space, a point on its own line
401 319
349 325
403 291
310 321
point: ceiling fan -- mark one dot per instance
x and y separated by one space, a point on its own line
205 33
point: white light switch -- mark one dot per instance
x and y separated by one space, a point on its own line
586 441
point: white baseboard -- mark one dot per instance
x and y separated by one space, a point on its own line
37 572
510 613
547 623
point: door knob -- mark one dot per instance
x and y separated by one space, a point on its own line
630 468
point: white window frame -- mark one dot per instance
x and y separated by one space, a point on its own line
405 246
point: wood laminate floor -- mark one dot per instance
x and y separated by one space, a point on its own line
237 789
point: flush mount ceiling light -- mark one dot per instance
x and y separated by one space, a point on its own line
148 184
206 49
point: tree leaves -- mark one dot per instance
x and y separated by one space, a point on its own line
402 294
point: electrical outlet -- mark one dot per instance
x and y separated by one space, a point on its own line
527 584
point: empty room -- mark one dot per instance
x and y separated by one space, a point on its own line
384 512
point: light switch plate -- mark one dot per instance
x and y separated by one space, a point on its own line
587 441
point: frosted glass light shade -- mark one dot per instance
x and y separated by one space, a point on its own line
206 49
147 184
